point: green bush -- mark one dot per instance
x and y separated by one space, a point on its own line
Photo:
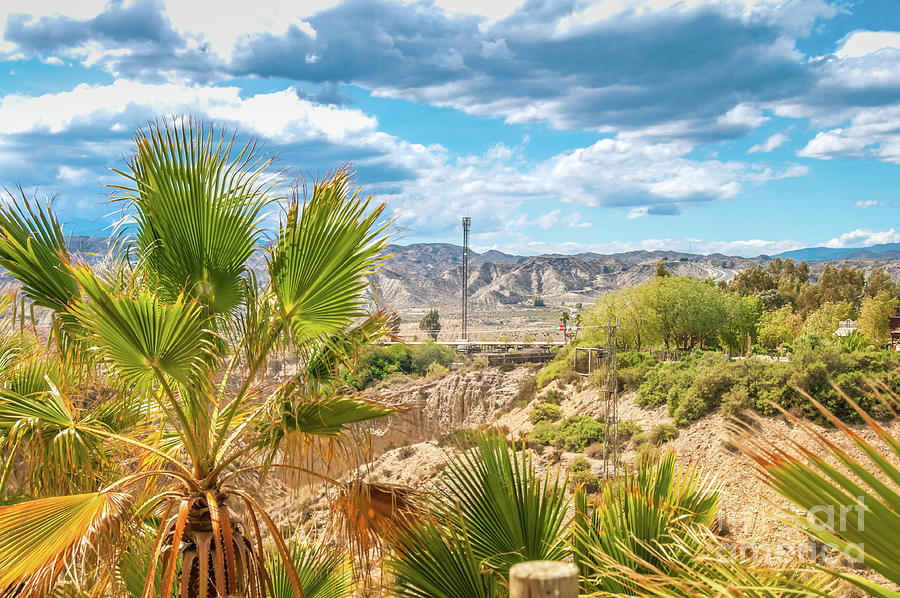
379 363
552 397
527 390
544 412
572 434
551 372
628 429
582 476
662 433
507 367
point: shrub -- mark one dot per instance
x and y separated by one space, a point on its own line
645 452
543 412
479 364
406 452
631 378
527 390
582 476
572 434
662 433
550 372
735 401
552 397
507 367
627 429
436 370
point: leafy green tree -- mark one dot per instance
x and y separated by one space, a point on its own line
742 314
874 315
635 309
880 281
824 321
431 323
538 302
689 311
841 284
778 327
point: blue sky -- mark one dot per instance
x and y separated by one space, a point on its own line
740 126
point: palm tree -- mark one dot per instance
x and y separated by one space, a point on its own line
564 319
177 334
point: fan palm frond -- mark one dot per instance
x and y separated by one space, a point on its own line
434 562
638 511
33 250
40 537
509 513
326 248
324 571
196 201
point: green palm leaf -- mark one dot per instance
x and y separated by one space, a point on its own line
324 571
433 562
196 202
40 537
326 249
849 504
637 512
507 512
143 336
33 250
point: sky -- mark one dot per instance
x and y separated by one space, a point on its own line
735 126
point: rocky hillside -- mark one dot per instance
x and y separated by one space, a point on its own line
413 449
430 274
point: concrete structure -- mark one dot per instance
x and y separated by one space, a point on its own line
846 327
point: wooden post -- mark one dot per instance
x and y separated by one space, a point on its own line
543 579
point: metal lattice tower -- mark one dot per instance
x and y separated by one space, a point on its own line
605 357
466 223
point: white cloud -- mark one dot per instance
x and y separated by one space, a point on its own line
635 213
773 142
870 133
860 43
871 203
864 238
548 220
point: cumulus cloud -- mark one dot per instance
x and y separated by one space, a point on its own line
864 238
770 144
687 69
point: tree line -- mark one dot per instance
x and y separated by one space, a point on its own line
767 306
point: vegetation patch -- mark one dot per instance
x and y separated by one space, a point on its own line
571 434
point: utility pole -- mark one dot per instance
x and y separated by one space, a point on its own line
466 223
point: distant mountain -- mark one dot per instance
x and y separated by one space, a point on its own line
823 254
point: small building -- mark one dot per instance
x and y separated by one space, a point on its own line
846 327
894 327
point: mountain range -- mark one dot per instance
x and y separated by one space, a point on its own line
424 275
822 254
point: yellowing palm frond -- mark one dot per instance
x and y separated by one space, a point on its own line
40 537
